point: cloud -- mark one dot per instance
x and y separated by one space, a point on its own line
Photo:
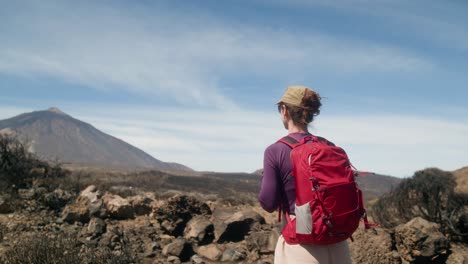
441 23
172 53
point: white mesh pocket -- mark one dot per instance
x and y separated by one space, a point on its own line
303 219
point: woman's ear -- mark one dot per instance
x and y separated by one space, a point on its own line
284 111
285 117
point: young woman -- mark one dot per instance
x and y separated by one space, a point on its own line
298 107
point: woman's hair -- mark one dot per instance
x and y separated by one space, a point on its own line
310 107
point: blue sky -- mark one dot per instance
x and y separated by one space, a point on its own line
195 81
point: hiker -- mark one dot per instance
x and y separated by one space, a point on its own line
298 107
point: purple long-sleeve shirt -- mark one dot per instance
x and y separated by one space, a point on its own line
277 185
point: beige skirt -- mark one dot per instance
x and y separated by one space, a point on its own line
310 254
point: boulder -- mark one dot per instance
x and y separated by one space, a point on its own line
5 205
98 209
113 238
211 252
179 248
184 207
459 254
174 227
89 203
118 207
175 248
173 260
234 254
197 260
151 249
141 205
177 211
75 213
373 246
421 241
90 193
57 199
92 198
200 230
165 240
263 241
96 226
233 227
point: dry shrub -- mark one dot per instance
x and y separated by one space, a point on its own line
44 250
62 248
106 256
19 167
430 194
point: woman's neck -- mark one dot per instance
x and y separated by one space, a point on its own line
293 128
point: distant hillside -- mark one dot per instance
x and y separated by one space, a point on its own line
461 176
372 185
258 172
54 135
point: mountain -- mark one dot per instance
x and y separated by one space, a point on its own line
54 135
374 185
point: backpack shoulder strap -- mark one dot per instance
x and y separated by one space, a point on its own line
324 140
289 141
292 143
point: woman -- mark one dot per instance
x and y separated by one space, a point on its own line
298 107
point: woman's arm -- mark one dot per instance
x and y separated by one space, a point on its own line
269 194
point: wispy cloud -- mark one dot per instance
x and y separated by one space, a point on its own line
173 54
439 22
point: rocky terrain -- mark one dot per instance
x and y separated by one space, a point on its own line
172 227
178 229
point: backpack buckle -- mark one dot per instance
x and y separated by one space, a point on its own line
315 185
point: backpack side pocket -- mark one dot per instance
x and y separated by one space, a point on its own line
303 219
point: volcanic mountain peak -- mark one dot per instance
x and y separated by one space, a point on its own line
56 110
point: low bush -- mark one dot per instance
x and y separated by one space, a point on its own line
430 194
19 167
44 250
62 248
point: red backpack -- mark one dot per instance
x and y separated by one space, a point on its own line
329 204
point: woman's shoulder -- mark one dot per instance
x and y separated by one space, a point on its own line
277 148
